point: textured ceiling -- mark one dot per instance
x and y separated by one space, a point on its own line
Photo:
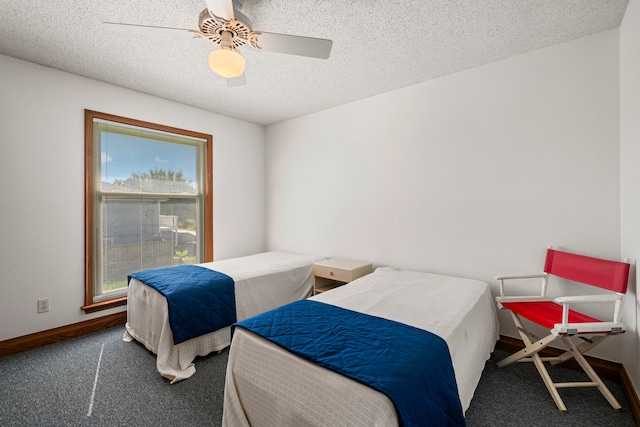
378 45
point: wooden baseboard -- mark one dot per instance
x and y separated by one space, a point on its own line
630 393
39 339
604 368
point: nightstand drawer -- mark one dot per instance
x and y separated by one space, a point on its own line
332 273
341 270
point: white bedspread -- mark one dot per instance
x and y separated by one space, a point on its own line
262 282
269 386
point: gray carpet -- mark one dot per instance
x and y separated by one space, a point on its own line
516 396
54 386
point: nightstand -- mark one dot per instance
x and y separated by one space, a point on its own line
335 272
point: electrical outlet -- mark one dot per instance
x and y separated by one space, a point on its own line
43 305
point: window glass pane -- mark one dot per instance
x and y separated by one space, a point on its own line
144 233
148 210
147 162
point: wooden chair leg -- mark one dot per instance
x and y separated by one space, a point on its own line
582 348
530 350
530 354
551 387
597 382
530 347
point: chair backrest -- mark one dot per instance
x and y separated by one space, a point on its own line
611 275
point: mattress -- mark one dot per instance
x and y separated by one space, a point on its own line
268 386
262 282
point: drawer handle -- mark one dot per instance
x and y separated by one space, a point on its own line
330 273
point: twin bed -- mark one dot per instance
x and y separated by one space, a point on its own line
262 282
266 384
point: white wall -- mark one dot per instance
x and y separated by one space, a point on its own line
472 174
630 176
42 176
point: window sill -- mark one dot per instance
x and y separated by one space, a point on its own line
104 305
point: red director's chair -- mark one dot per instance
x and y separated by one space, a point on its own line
565 323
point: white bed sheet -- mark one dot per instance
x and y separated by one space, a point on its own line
262 282
267 386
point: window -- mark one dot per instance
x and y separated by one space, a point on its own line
148 202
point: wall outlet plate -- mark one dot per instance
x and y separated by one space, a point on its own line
43 305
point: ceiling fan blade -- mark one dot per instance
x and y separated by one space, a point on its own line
237 81
149 29
294 45
221 8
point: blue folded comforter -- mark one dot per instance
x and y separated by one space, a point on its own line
200 300
409 365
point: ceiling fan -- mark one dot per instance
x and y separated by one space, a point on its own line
224 24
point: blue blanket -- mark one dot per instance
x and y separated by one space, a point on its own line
412 367
200 300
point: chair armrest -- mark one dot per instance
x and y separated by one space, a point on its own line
615 298
588 298
525 298
523 276
543 276
589 328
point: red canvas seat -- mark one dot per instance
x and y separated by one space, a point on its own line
564 323
546 313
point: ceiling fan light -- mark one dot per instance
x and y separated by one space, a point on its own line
226 63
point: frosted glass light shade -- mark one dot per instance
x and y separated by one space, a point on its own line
226 63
